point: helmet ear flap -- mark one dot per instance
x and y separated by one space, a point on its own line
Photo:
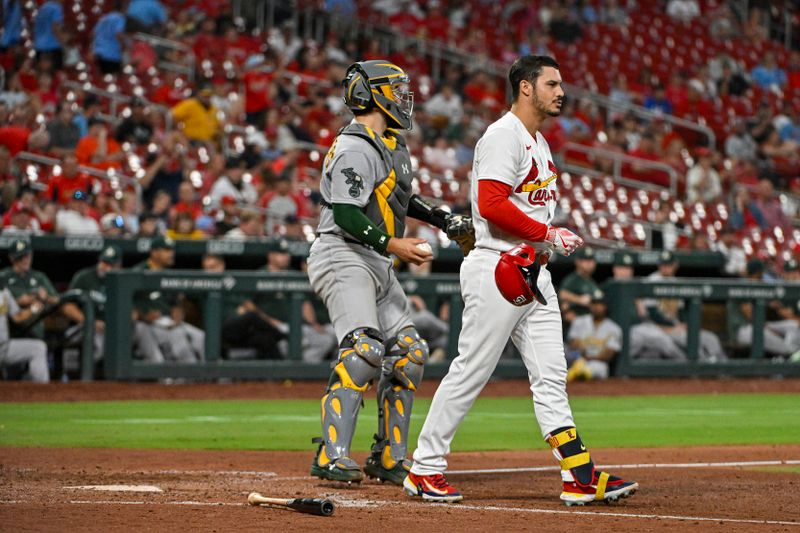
357 91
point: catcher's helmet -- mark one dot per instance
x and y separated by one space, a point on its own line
516 276
379 84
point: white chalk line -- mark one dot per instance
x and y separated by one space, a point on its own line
189 503
554 468
622 515
630 465
116 488
513 470
355 503
253 473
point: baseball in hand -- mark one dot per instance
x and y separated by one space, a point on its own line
425 247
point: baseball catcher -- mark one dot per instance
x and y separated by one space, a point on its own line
366 190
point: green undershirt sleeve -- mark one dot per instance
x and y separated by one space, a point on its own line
353 220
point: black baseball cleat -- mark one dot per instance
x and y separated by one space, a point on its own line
375 468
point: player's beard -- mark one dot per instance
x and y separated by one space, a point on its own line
543 108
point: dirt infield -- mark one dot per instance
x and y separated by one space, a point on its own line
207 490
744 488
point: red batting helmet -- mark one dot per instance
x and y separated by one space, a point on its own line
516 276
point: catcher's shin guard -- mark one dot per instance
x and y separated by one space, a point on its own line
402 374
359 364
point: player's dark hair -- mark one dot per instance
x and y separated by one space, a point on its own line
528 68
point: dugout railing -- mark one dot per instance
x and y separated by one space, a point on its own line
122 287
623 295
120 363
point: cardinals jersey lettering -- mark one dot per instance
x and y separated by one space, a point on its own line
509 154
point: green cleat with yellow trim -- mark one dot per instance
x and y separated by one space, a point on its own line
382 467
342 469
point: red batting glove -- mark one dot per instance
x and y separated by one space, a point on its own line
563 240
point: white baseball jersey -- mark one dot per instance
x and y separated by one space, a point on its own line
509 154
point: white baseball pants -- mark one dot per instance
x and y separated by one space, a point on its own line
488 322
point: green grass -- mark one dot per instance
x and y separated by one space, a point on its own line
781 469
493 423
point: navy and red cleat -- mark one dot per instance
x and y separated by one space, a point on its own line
433 488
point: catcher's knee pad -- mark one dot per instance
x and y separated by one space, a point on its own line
359 364
407 355
568 448
402 374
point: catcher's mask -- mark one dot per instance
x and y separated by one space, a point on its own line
516 276
383 85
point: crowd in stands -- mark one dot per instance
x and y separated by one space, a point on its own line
218 128
243 117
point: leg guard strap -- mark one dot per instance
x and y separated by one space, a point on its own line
568 448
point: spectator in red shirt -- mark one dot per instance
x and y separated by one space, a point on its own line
237 46
793 71
46 93
437 24
647 150
207 43
258 90
696 104
211 8
187 202
61 187
10 177
15 135
172 91
406 22
98 149
676 91
20 221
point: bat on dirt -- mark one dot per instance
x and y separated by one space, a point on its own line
317 506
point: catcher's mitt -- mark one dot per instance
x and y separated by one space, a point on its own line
459 228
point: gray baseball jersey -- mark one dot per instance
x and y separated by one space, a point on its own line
356 283
18 351
370 172
596 337
8 307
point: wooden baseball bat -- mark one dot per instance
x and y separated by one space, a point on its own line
316 506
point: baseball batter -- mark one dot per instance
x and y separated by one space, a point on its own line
366 190
514 197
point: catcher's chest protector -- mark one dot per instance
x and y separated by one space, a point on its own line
389 201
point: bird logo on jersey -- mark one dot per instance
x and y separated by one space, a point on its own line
355 182
538 194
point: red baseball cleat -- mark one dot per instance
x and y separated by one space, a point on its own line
603 488
431 488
